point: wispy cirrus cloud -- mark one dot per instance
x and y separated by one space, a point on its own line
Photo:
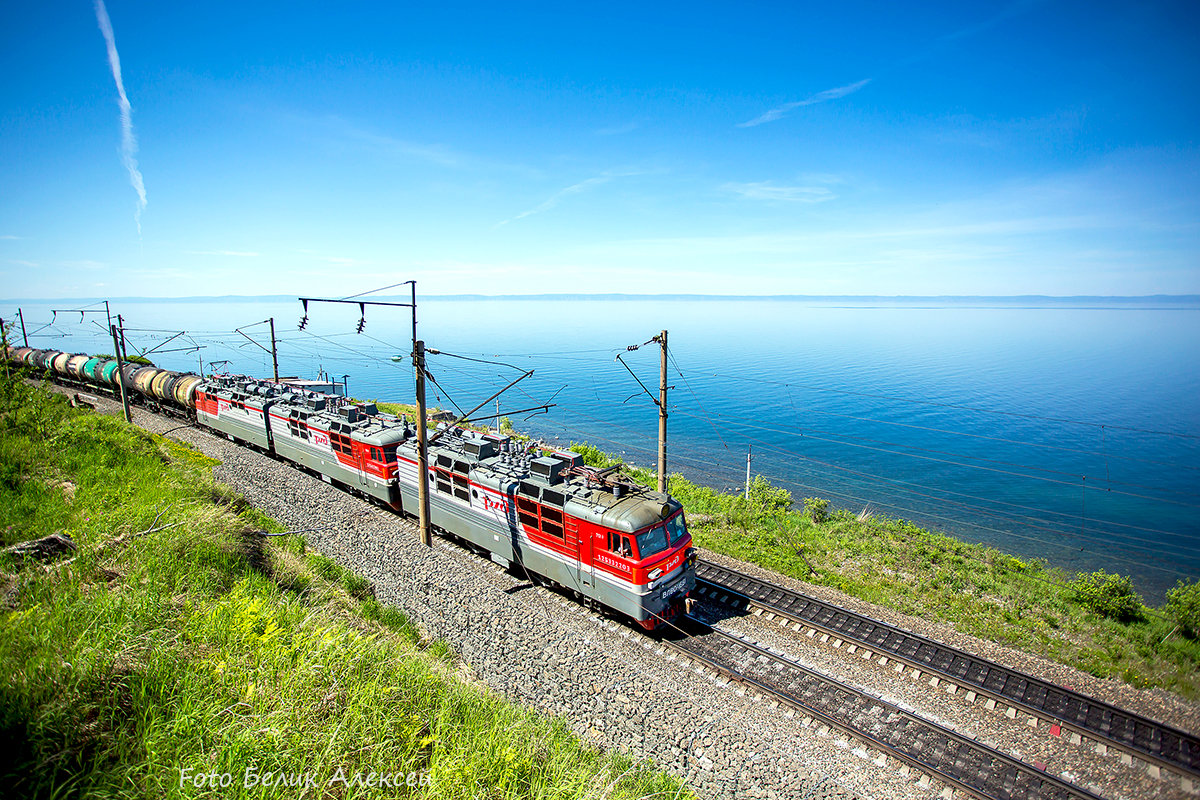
769 191
231 253
129 144
562 194
820 97
9 237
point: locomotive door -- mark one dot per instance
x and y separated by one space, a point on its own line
360 462
583 545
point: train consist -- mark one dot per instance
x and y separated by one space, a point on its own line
544 512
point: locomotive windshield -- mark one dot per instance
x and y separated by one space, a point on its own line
659 538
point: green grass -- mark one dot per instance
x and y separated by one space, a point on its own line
205 648
976 589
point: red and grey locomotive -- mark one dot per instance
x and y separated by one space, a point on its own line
616 543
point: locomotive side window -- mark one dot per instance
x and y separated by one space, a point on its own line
552 522
534 517
527 512
389 453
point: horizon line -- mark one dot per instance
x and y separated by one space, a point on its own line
628 296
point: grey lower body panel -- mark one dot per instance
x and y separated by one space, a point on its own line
242 431
326 464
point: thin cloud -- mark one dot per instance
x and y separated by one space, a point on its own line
232 253
766 190
129 144
10 238
561 194
819 97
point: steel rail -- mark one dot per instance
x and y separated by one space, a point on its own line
956 760
1156 743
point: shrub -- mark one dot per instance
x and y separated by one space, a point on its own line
1108 595
816 509
1183 606
764 495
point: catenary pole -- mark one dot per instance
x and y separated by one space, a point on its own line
121 371
274 353
662 414
24 336
121 328
418 356
749 452
422 445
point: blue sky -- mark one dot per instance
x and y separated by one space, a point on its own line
767 148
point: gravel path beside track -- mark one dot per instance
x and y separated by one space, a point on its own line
611 685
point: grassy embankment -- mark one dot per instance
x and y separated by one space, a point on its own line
1093 622
177 640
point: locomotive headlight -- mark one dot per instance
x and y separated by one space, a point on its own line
654 573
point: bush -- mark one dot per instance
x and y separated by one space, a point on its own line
1108 595
1183 606
764 495
816 509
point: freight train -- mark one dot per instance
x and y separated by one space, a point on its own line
601 538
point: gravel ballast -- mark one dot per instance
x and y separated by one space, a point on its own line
617 689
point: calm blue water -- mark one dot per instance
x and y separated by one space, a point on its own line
1066 433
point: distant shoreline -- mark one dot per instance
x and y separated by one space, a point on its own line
1155 301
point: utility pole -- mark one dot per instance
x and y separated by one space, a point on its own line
21 317
422 445
660 401
749 451
4 344
121 327
121 370
662 414
418 356
274 354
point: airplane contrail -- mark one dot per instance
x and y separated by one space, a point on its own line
128 140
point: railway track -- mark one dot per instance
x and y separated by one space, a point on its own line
957 761
1082 717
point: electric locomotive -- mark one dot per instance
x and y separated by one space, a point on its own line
543 513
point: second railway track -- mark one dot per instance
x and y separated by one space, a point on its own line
1158 744
957 761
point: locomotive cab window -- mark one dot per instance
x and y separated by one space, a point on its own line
653 541
676 528
620 545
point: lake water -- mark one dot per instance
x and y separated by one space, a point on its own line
1064 431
